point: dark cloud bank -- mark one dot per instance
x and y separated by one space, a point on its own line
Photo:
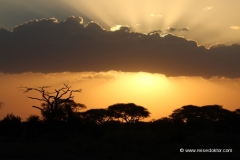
49 46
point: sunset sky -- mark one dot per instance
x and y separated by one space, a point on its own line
155 53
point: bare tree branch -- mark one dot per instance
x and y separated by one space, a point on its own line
36 98
53 101
38 108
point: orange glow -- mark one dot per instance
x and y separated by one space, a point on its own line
160 94
144 80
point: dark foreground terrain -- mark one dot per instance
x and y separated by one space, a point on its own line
190 132
150 140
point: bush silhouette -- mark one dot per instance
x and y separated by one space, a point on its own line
33 119
11 126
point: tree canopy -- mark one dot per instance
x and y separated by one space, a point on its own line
190 113
129 112
97 116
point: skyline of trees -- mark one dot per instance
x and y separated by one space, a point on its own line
132 113
116 129
59 105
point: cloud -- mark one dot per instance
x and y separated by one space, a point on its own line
49 46
155 32
235 27
102 76
177 29
115 28
121 28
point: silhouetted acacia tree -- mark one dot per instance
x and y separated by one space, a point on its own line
58 105
191 113
129 112
98 116
66 111
215 113
185 113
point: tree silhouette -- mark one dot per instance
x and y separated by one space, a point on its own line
55 107
65 111
11 118
33 128
98 116
215 113
11 126
129 112
191 113
33 119
186 113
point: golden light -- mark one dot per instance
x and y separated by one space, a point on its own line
144 79
115 28
146 13
145 16
142 85
235 27
136 87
